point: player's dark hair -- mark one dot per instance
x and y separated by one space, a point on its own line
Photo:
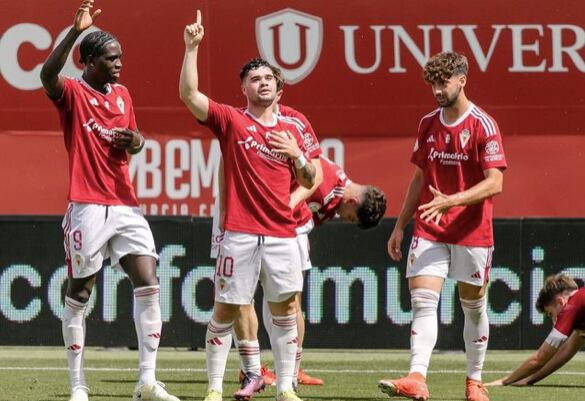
372 208
553 286
443 66
93 45
256 63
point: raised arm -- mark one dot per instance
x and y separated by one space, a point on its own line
52 81
408 209
566 351
189 93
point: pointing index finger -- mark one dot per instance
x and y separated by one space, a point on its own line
198 19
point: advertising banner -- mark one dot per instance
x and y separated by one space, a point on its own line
355 296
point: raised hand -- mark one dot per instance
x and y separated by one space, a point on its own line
83 19
193 33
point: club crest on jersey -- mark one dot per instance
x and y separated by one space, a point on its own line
448 138
314 206
464 137
120 104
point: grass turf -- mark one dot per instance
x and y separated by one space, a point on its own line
40 374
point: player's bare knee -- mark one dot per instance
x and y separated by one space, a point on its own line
80 289
141 269
286 307
225 313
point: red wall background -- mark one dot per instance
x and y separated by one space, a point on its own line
526 69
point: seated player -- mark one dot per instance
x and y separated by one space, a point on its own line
564 302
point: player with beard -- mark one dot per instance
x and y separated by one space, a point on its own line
459 162
103 218
262 156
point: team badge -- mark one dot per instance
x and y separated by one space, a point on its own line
492 147
411 259
120 104
223 284
78 261
464 137
448 138
314 206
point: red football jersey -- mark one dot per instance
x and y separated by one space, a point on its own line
257 180
301 212
572 316
98 172
327 197
453 158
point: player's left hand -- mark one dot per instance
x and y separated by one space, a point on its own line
126 139
435 209
284 143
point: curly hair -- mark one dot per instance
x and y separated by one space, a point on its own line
372 208
94 44
553 286
443 66
259 62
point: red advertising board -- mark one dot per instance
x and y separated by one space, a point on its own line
354 68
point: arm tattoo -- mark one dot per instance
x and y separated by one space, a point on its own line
308 172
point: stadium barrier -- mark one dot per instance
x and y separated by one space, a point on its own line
355 296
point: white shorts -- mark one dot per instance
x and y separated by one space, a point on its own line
305 249
246 258
467 264
216 232
93 233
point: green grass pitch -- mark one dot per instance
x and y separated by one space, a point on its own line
40 374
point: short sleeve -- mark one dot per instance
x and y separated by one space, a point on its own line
219 117
310 141
418 158
566 319
132 118
66 100
490 147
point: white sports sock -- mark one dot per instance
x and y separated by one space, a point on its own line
73 325
218 341
249 355
148 323
475 333
266 316
298 357
423 331
284 341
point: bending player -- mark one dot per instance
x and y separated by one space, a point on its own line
262 155
459 162
355 203
564 302
103 218
253 376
